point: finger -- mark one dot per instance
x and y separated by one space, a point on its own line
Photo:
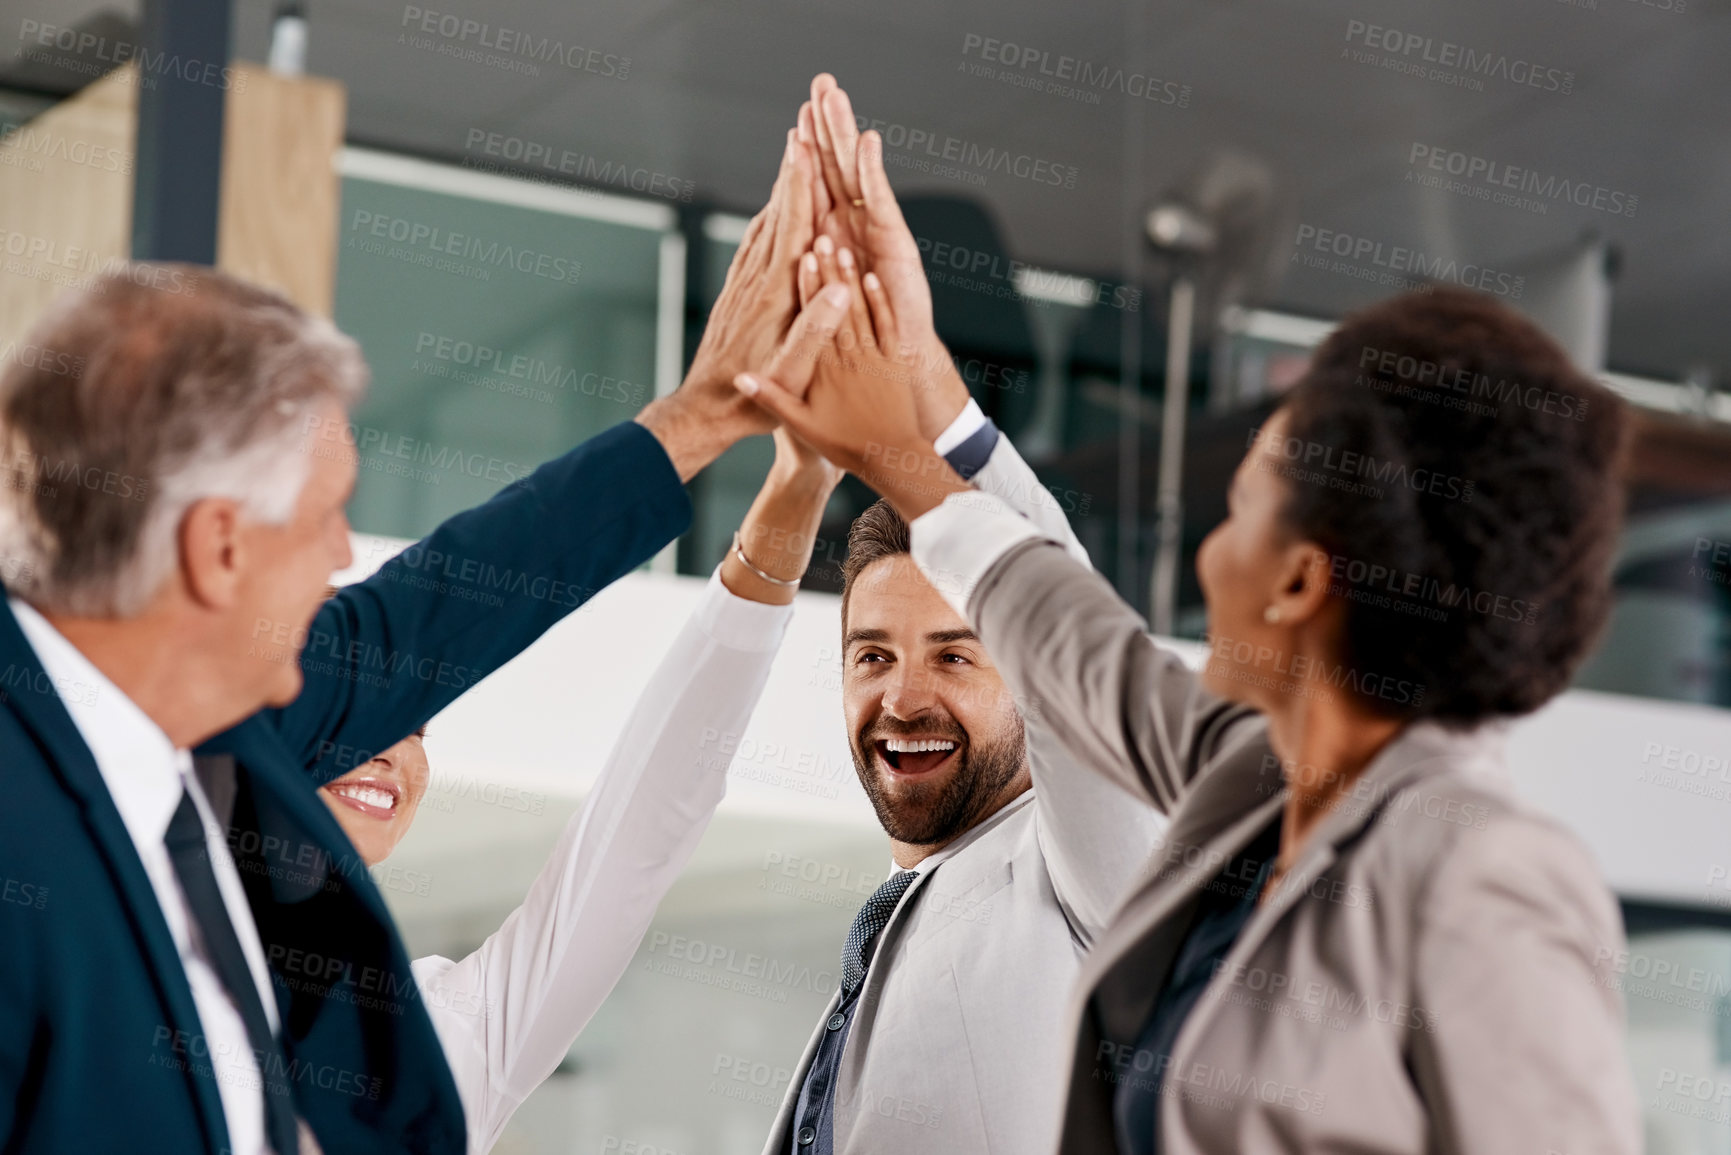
794 224
883 316
836 114
829 263
822 202
834 178
880 200
784 178
756 251
820 86
889 233
859 318
787 222
810 279
781 404
813 330
823 248
811 337
752 231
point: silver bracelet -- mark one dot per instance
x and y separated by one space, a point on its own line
739 552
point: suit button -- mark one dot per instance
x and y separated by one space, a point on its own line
837 1022
806 1135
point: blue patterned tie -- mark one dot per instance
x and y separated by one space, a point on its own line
872 918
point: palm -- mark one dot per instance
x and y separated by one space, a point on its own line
855 207
759 299
893 254
851 169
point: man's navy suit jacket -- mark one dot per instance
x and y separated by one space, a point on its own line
100 1048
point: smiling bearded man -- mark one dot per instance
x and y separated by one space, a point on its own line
937 743
945 1032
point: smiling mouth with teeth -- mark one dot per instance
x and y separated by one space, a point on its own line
369 797
915 755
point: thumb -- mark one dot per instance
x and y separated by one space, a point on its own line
897 253
786 408
812 332
875 190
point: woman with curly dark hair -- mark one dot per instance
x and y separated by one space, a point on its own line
1356 938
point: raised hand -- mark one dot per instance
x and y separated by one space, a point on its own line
794 457
854 399
857 211
751 319
776 538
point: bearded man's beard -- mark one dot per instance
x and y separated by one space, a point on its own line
925 813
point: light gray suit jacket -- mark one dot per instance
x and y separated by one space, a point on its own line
961 1022
1433 975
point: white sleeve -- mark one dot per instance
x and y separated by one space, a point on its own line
956 543
1007 476
965 425
508 1013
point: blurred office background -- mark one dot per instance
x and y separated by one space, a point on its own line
1138 220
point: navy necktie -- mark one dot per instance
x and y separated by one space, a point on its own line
872 918
191 856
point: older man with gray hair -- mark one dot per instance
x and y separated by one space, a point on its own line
193 959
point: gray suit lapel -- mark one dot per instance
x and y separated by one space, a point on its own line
1124 970
1231 802
871 990
960 873
1419 750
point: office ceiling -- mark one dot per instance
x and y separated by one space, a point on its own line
1319 97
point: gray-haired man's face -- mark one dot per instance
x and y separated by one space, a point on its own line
282 570
935 734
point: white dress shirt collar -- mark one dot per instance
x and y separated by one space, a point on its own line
145 776
115 729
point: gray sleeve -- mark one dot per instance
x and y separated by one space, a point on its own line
1095 837
1005 474
1075 653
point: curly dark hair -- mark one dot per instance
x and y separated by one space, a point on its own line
1488 583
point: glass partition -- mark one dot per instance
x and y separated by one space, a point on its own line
504 324
1676 985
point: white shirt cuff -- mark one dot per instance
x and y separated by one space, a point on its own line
956 543
966 424
739 623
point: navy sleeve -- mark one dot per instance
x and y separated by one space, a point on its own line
971 455
388 653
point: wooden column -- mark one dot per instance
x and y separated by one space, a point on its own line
66 182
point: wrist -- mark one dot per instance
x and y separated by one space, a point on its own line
913 479
691 439
942 394
797 480
765 561
912 499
